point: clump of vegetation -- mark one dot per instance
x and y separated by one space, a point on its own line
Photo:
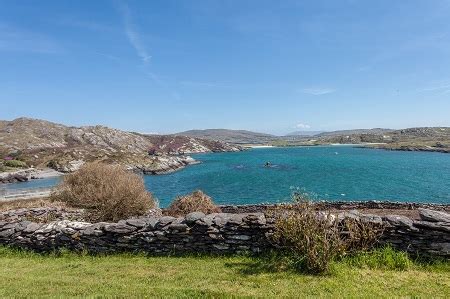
312 240
15 163
385 258
29 203
195 202
106 192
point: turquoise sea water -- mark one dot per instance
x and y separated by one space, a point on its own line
332 173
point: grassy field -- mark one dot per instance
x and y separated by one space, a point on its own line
24 274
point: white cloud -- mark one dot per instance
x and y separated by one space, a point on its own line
317 91
133 36
302 126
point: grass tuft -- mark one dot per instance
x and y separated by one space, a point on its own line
385 258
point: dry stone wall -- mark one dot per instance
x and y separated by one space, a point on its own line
214 233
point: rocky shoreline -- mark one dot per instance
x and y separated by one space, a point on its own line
24 175
409 148
157 165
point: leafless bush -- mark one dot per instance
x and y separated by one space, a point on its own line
195 202
106 192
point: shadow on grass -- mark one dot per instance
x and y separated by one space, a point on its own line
268 263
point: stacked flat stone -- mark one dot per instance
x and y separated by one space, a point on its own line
429 236
197 232
214 233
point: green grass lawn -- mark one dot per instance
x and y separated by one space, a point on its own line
24 274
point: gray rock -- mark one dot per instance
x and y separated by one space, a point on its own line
236 219
255 218
163 221
221 219
240 237
6 233
433 216
400 221
194 216
119 228
221 246
22 225
371 218
31 228
440 226
178 227
443 248
92 231
139 223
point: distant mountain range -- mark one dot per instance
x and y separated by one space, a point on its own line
305 133
231 136
411 139
249 137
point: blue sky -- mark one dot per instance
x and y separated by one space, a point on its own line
270 66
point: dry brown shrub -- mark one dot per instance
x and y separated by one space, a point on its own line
195 202
359 235
106 192
314 239
29 203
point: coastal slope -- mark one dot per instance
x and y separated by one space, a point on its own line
434 139
41 143
231 136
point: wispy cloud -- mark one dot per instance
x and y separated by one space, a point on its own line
131 32
441 86
18 40
317 91
302 126
135 40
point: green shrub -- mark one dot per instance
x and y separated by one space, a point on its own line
195 202
15 163
385 258
106 192
314 239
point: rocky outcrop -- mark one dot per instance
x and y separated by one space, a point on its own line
166 164
214 233
24 175
12 178
44 144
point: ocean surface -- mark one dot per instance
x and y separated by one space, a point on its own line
325 172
